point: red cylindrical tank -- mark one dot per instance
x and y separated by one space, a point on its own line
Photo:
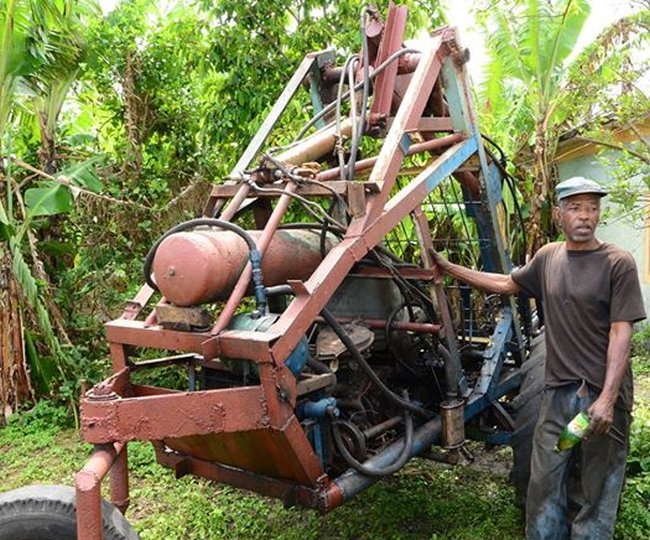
195 267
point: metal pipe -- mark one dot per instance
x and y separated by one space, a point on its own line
119 481
88 490
235 203
262 243
368 163
351 483
407 326
382 427
315 146
390 468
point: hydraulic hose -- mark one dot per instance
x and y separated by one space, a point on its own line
356 139
358 357
371 471
254 254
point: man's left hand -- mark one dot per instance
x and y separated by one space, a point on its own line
601 416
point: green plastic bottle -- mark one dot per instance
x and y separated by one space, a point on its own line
573 433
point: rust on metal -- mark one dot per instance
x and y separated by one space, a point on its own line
88 490
196 267
247 432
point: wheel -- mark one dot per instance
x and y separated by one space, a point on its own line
526 412
49 513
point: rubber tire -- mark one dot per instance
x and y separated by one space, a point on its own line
526 406
49 513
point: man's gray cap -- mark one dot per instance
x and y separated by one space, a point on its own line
576 186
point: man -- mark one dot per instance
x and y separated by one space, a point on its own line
591 296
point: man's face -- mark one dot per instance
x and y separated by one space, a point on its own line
578 217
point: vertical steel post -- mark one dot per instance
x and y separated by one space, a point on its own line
88 483
119 481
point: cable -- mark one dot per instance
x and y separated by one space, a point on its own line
307 204
510 182
358 134
358 357
401 460
254 254
328 108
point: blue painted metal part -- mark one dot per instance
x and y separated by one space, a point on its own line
450 165
480 403
298 357
295 362
457 111
486 389
405 143
499 437
317 409
352 482
315 82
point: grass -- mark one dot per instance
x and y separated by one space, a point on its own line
423 501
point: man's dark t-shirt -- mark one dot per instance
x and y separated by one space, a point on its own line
583 292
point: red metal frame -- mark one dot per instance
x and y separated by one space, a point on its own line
223 434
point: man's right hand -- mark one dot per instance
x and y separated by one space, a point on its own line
439 266
439 261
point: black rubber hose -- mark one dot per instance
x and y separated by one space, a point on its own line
358 357
364 99
510 182
318 367
324 230
401 460
451 374
254 254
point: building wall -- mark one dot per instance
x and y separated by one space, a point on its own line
634 237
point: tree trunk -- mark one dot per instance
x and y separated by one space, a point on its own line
132 114
15 385
540 227
47 151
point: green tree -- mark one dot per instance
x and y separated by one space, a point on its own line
38 41
534 82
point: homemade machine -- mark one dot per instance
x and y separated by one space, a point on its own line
323 355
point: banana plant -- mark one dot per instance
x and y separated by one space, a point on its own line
538 85
529 43
39 60
58 46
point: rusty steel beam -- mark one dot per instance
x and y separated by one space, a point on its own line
391 42
368 163
124 332
379 324
173 415
289 492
